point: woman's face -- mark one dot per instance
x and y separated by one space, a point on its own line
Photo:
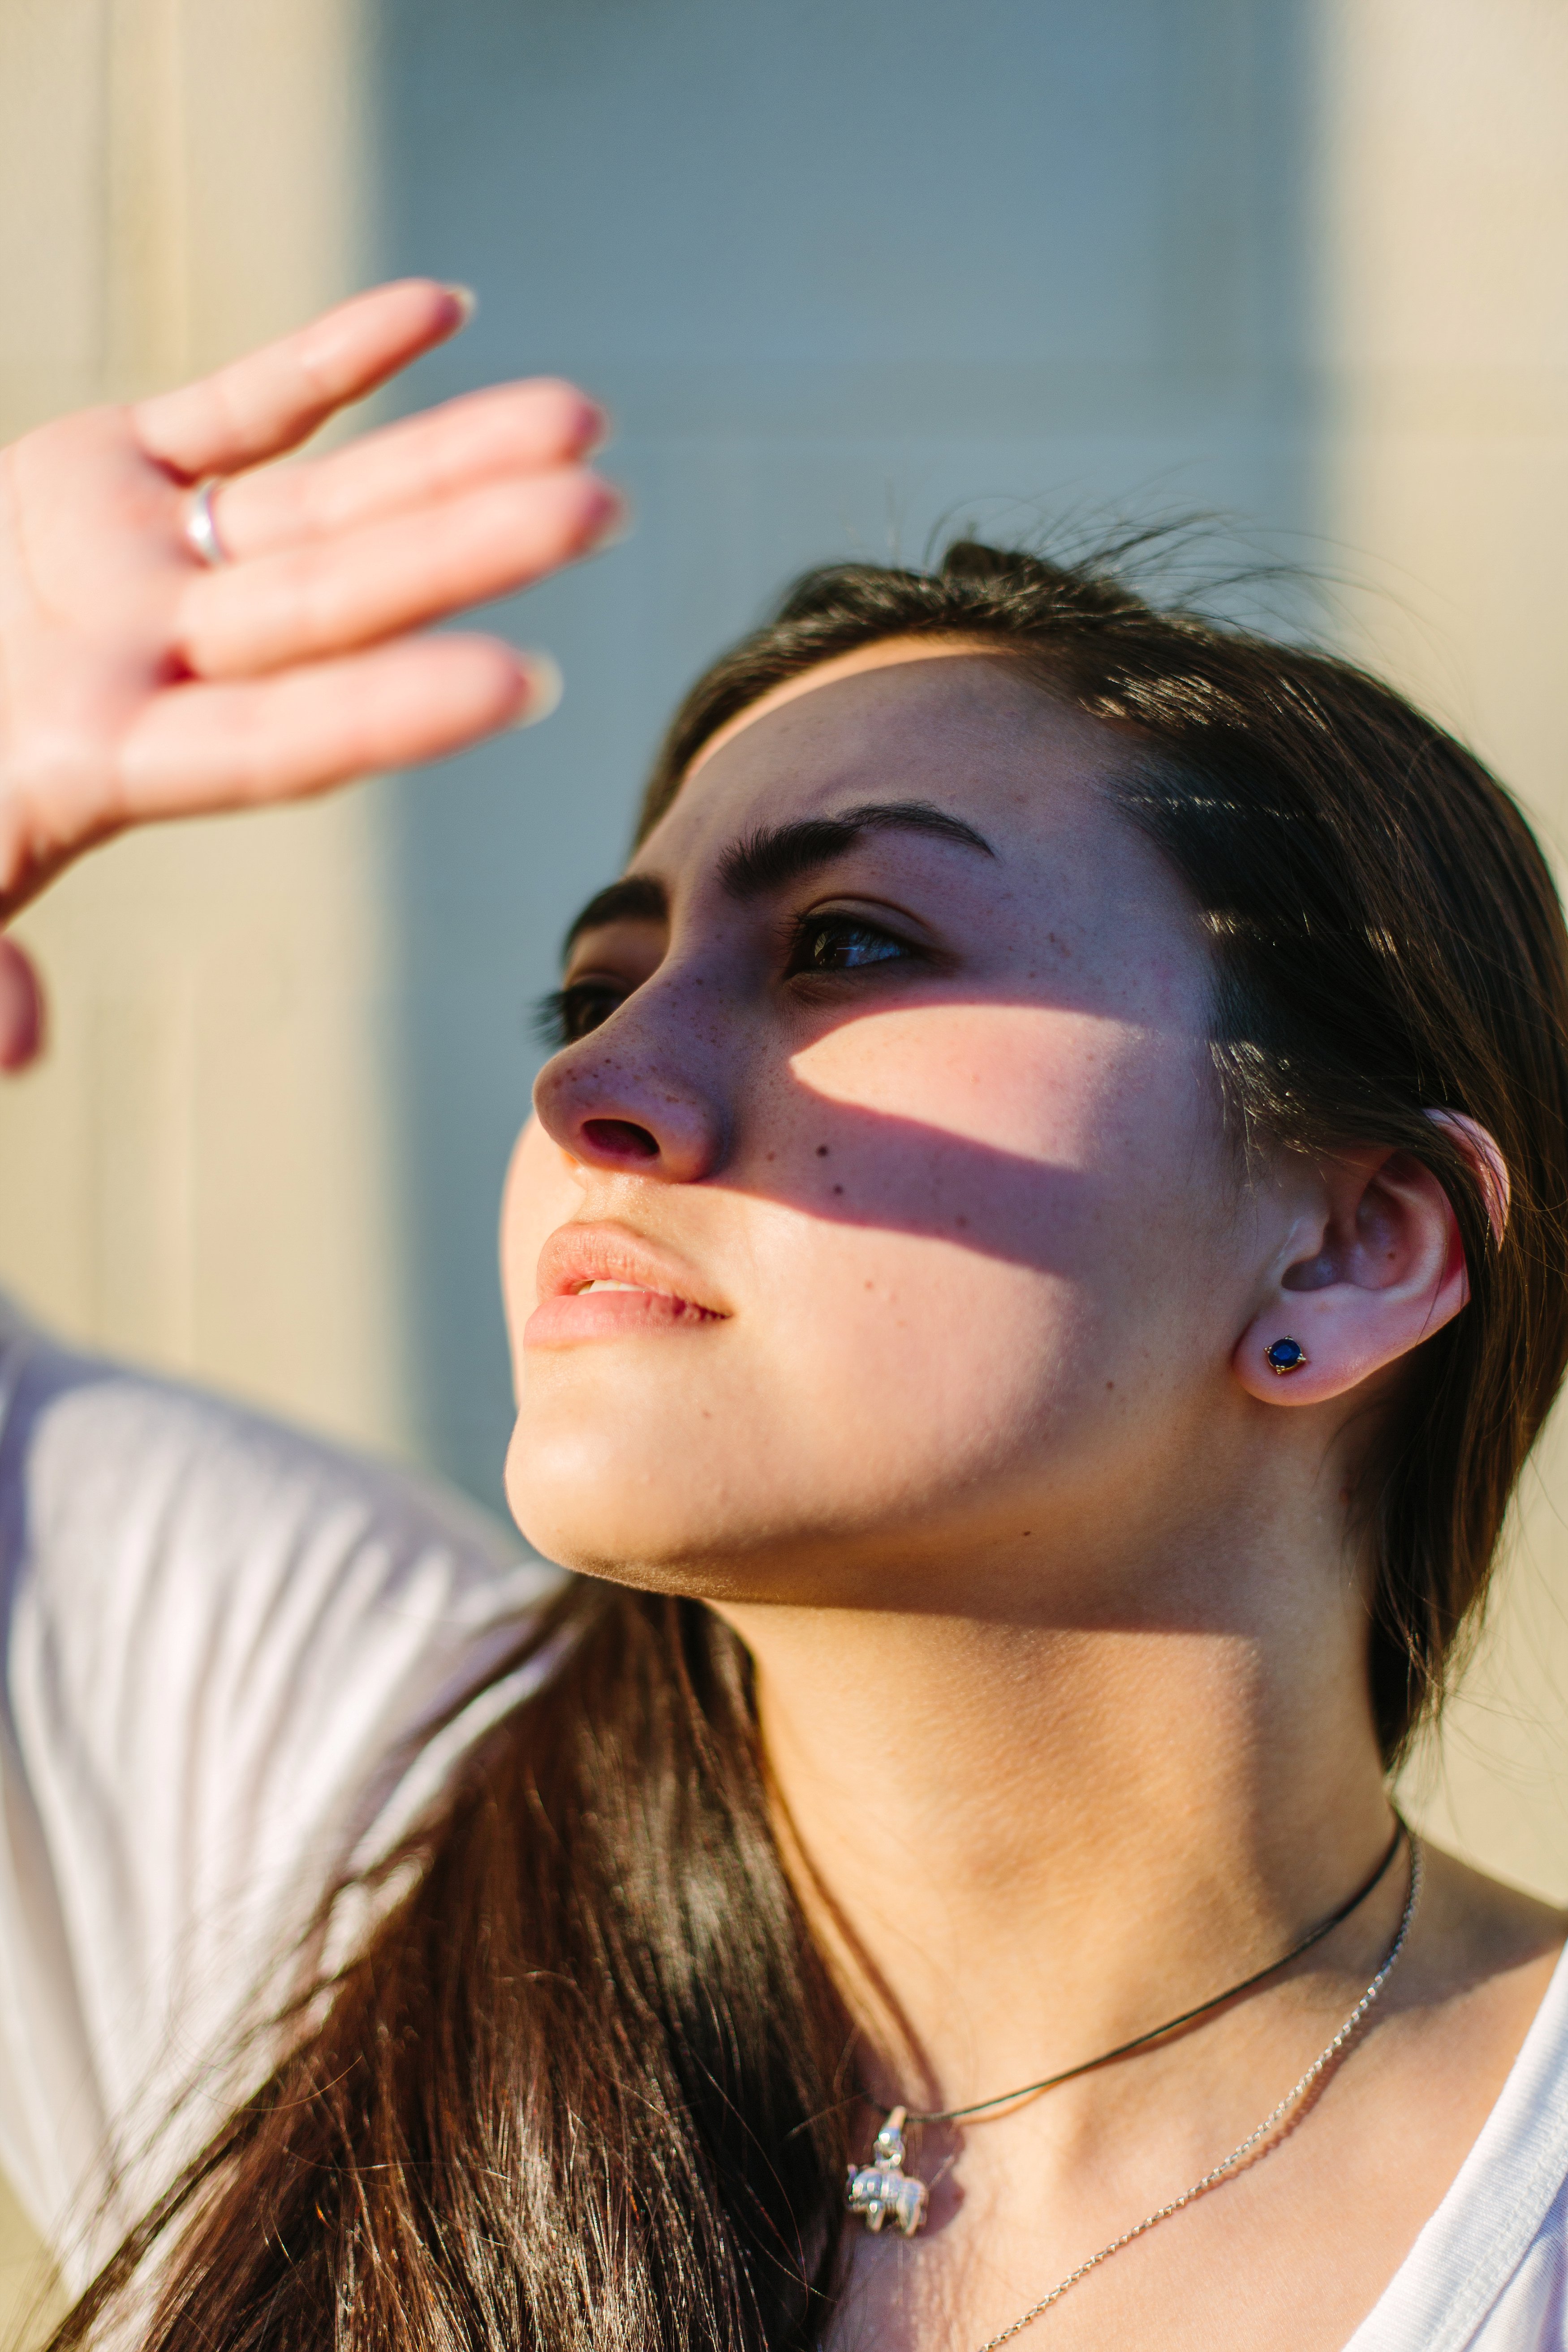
882 1226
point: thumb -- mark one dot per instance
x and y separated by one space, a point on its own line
21 1009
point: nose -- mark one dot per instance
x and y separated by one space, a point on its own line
617 1102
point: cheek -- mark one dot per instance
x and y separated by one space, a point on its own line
1000 1099
540 1194
907 1351
996 1197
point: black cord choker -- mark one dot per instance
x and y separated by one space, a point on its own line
881 2190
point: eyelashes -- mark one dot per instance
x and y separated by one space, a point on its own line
572 1011
821 947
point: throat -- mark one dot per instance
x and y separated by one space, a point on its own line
1057 1841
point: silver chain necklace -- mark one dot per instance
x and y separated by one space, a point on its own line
1270 2123
882 2191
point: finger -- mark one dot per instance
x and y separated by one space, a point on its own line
274 398
202 748
21 1009
515 428
330 596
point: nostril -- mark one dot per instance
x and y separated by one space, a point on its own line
620 1139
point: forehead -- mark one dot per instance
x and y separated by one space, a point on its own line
968 732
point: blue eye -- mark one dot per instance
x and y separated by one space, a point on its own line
830 943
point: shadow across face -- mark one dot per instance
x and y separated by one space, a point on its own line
923 1115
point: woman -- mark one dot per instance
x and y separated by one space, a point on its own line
1038 1263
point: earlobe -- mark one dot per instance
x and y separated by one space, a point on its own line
1372 1270
1275 1364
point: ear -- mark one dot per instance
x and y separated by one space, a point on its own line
1481 1148
1373 1265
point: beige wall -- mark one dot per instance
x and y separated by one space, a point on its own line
1445 326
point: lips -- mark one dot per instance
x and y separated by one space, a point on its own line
601 1282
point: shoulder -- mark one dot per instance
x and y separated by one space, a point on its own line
1484 1960
1487 2009
192 1588
142 1515
89 1443
233 1654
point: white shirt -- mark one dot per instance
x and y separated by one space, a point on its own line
222 1640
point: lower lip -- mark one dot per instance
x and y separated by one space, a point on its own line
611 1315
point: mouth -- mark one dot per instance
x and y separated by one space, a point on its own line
601 1282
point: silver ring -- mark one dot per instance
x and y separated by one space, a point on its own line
201 528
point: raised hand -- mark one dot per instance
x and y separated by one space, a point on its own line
137 682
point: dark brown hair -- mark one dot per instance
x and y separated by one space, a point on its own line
586 2084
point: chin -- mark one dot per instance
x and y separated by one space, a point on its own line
650 1506
639 1513
639 1499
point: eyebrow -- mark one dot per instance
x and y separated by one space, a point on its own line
634 898
766 860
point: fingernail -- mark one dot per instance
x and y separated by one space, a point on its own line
466 300
545 687
619 523
22 1015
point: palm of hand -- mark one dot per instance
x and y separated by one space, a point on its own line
93 565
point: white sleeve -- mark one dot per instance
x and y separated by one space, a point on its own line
221 1640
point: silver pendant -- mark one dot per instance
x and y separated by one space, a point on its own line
882 2191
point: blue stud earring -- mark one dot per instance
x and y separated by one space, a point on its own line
1285 1355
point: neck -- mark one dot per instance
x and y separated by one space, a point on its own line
1027 1841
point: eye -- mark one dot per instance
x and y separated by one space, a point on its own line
570 1012
832 943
